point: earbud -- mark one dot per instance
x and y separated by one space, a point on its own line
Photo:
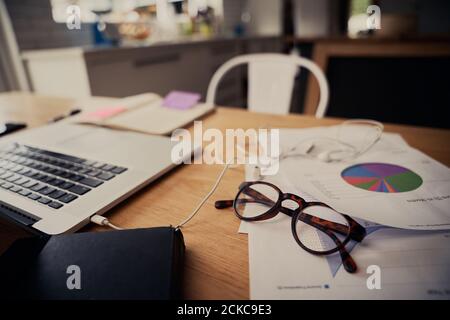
255 173
324 156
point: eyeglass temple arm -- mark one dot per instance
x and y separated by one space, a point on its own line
357 231
347 260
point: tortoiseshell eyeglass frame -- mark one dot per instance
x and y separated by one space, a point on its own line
354 231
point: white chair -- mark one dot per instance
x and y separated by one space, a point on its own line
271 81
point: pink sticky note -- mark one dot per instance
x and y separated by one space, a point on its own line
181 100
105 113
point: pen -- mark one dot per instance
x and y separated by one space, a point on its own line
61 117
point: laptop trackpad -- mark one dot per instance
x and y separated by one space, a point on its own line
90 140
96 143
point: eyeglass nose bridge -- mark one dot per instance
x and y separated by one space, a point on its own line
289 196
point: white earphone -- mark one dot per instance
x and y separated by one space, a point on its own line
336 149
343 150
324 156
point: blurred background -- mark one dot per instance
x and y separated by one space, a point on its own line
394 72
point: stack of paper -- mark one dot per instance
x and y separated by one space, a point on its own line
410 261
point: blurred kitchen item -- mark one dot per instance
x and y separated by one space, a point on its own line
142 27
135 31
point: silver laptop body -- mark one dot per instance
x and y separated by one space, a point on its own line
54 178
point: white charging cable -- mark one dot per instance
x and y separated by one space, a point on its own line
104 222
210 193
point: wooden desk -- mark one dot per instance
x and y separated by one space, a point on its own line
216 256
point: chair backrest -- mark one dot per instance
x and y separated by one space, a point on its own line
271 81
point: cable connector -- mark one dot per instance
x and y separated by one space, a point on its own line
103 222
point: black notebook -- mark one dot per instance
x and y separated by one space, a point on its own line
139 264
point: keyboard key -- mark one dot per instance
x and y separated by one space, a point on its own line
15 189
56 182
65 174
24 192
33 164
19 160
58 163
13 178
47 179
7 185
47 169
66 165
30 173
106 176
63 156
29 184
68 198
9 166
98 165
57 194
91 182
76 178
24 171
36 175
44 200
107 167
55 205
66 185
53 171
42 177
84 171
34 196
22 181
17 168
118 170
6 175
39 187
47 190
94 173
80 190
59 172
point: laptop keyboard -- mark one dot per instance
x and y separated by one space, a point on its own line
50 178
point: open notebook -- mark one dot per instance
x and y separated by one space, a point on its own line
144 113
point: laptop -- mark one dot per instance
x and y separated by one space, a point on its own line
54 178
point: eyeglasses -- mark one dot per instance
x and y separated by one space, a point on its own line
316 227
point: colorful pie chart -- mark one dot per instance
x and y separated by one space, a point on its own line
382 177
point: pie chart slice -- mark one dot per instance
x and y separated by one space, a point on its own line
382 177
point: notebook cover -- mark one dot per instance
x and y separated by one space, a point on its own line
151 118
141 264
